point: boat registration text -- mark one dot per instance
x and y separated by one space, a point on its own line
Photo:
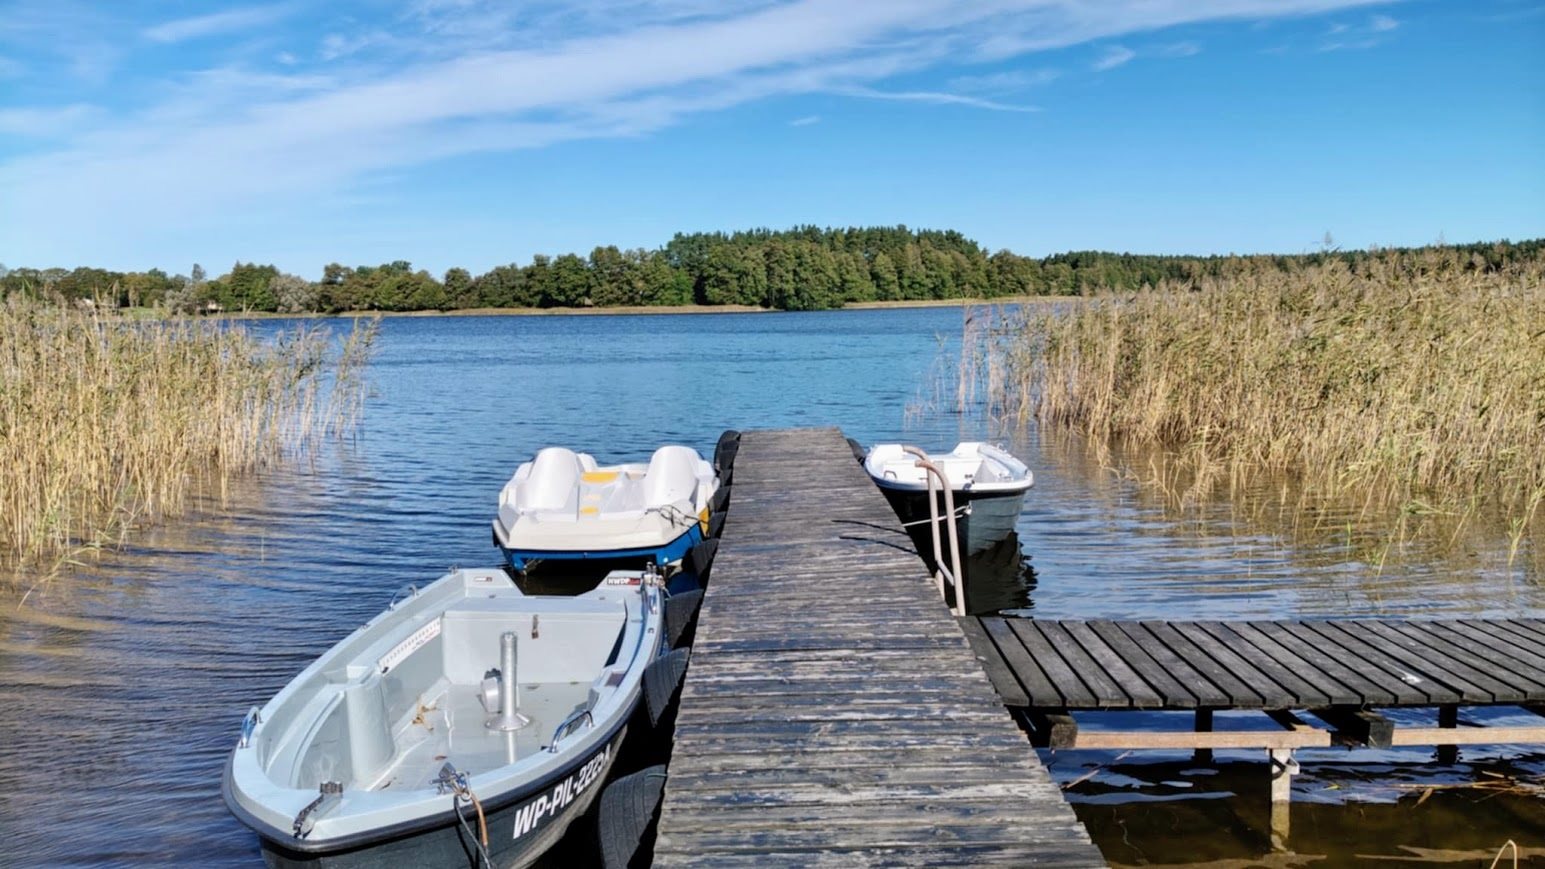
549 804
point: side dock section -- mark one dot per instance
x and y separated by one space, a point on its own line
833 712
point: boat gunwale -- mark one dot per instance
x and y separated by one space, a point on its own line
985 452
413 826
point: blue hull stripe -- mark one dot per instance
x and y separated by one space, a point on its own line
672 551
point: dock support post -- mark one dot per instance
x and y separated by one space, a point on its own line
1283 768
1203 725
1448 719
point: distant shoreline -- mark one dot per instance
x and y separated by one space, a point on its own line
647 309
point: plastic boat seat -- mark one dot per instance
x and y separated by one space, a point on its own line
553 481
626 495
672 475
353 744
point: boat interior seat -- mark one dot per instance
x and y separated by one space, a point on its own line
625 494
353 743
553 480
988 472
672 475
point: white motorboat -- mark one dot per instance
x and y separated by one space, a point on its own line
562 505
988 485
467 724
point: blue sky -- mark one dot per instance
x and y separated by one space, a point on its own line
468 132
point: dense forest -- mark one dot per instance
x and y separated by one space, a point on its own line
800 269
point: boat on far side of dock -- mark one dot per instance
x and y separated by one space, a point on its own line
988 484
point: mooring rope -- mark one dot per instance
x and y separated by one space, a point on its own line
461 794
1503 850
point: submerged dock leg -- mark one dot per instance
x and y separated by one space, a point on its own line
1203 725
1448 719
1283 768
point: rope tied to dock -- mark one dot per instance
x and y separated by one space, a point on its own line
461 797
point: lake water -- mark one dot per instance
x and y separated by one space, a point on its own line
122 684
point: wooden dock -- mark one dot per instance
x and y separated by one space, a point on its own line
833 712
1341 670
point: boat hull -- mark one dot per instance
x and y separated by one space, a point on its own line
991 519
669 552
521 826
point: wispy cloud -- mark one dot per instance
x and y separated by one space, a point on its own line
1351 37
215 23
1180 49
44 122
443 81
936 97
336 45
806 121
1005 82
1112 57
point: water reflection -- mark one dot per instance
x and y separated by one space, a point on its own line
1175 811
997 578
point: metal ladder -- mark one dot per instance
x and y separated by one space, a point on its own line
943 573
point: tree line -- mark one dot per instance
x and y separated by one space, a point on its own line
799 269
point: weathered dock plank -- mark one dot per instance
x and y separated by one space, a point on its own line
834 712
1292 664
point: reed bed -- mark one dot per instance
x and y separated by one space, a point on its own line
1411 383
107 422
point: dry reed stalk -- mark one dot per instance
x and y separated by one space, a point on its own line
1410 382
106 422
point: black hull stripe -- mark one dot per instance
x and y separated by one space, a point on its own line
286 841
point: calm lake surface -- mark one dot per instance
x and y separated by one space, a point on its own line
123 683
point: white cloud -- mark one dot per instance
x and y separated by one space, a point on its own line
806 121
44 122
1114 56
215 24
935 97
214 141
1005 82
1347 37
1180 49
336 45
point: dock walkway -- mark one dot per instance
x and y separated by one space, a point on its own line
1342 670
834 712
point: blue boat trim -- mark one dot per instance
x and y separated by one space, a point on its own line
672 551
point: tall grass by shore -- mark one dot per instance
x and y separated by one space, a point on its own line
106 422
1408 382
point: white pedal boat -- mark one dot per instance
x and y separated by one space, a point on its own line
562 505
986 480
468 687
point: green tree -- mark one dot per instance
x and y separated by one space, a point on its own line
459 292
886 284
734 275
854 284
780 275
246 288
570 283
